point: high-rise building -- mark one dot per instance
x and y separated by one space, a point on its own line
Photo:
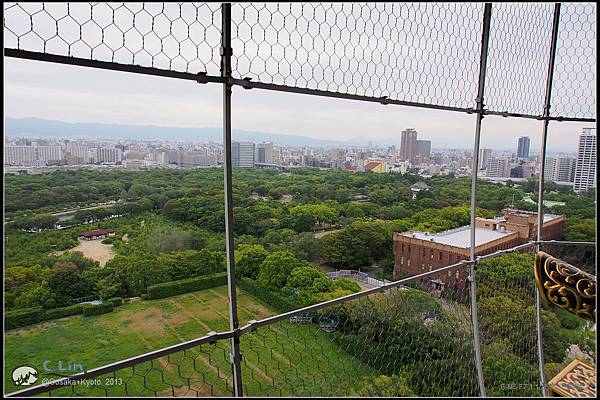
523 147
192 159
408 145
517 172
424 148
498 168
18 155
560 169
109 155
484 157
77 153
585 170
49 153
264 153
242 154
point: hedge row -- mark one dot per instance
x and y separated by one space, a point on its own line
23 317
64 311
97 309
173 288
275 300
116 301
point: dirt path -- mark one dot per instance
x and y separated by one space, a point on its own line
93 249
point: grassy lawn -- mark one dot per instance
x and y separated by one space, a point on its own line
281 359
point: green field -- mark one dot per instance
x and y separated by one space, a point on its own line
282 359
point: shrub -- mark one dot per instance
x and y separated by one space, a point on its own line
116 301
23 317
273 299
97 309
64 311
173 288
108 240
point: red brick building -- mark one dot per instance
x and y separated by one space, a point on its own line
97 234
419 252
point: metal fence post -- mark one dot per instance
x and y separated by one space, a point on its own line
485 36
540 220
226 52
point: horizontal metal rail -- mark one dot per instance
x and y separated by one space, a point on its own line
566 242
252 325
62 382
511 250
249 84
507 114
202 77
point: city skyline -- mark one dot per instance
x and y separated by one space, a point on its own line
76 94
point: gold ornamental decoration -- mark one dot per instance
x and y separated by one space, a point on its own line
577 380
565 286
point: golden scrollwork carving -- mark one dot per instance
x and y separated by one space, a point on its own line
566 286
576 380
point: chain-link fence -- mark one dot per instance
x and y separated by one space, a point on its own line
412 337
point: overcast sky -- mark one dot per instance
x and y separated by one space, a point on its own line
339 56
77 94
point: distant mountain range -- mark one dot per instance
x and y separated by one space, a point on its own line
40 128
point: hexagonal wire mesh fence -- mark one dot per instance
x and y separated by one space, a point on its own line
411 339
173 36
198 368
506 311
518 57
574 93
421 53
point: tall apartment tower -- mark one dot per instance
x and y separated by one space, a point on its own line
49 153
484 158
560 169
108 154
523 147
498 168
408 145
242 154
585 170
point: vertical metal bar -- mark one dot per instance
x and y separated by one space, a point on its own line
540 220
226 53
485 36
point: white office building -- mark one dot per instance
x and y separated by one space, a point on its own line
243 154
585 170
